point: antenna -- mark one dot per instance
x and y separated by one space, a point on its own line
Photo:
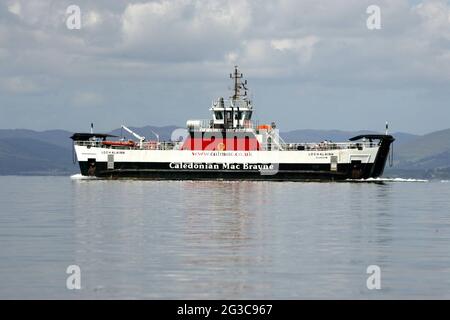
387 128
92 128
238 85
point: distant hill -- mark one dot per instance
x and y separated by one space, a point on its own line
426 156
25 156
55 137
26 152
425 146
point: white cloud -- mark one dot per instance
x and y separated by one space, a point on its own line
302 47
88 99
40 14
92 18
256 51
182 30
19 85
15 8
435 18
231 57
322 43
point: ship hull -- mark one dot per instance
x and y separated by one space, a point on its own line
323 165
281 172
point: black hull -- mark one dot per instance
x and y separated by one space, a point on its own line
287 172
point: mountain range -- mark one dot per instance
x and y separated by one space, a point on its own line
28 152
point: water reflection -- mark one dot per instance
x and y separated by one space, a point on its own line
222 226
144 239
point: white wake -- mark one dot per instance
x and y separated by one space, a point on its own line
79 176
390 180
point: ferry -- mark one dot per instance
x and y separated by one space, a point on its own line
230 146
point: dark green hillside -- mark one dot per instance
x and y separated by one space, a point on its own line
28 156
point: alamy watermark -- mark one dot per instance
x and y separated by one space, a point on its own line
374 280
373 22
73 20
73 281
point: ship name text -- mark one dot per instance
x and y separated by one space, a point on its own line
221 166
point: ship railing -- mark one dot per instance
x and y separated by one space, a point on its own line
146 145
89 143
207 125
227 103
326 145
165 145
176 145
99 144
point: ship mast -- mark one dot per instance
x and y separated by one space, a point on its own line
238 85
234 120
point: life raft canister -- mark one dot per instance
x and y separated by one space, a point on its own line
264 127
119 143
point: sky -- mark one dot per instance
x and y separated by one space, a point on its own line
310 64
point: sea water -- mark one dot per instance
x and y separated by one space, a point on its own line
223 240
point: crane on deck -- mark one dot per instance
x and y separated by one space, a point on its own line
140 138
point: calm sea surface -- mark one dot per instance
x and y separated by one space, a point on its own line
224 240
